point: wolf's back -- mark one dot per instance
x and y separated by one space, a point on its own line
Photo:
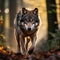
17 21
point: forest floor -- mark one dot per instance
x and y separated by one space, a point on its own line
49 55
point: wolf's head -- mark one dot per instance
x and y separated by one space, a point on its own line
29 20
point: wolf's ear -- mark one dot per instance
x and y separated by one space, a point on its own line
35 11
24 11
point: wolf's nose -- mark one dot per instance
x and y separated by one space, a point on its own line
29 29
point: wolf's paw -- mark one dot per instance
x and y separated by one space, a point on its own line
31 50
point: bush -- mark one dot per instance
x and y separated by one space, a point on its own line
53 43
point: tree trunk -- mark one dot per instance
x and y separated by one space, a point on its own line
52 18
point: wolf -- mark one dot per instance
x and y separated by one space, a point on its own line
26 26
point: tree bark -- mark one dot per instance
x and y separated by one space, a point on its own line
52 18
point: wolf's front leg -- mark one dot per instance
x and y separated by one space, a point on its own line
16 34
23 44
33 40
18 42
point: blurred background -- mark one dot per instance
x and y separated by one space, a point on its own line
49 29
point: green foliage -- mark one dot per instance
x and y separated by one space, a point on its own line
53 43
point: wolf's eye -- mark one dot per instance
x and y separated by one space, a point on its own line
31 20
36 24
